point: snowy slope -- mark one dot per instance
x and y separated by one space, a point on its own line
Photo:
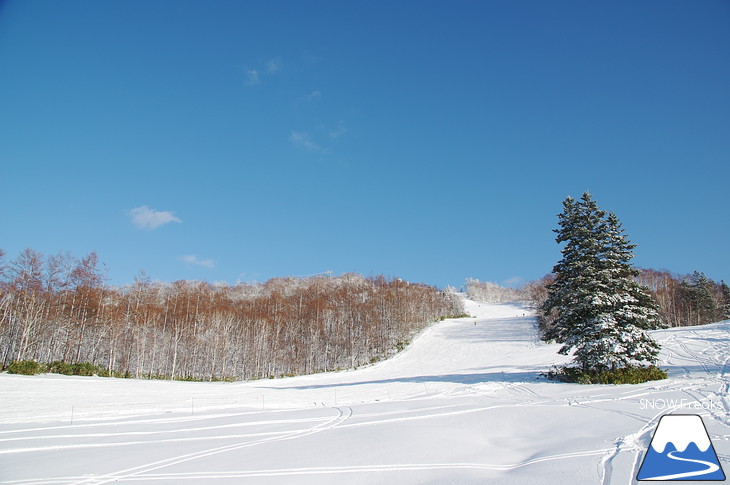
463 404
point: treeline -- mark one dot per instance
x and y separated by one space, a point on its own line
488 291
687 299
59 309
683 300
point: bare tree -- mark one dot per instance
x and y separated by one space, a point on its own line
61 309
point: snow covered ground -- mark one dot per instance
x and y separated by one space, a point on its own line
463 404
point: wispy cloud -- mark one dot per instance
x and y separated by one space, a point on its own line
145 218
194 260
301 139
273 66
308 99
256 75
252 77
513 281
340 130
311 97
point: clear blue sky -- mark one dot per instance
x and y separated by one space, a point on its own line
433 141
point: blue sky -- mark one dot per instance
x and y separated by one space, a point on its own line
432 141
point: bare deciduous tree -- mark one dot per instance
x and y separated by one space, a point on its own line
192 329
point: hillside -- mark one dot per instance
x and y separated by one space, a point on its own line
463 403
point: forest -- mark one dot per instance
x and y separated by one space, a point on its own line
683 300
59 309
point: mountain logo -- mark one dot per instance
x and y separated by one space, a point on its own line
681 450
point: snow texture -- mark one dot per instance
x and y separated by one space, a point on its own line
464 403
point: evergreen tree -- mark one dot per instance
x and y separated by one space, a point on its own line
601 313
578 224
697 295
726 300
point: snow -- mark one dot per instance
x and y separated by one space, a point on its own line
464 403
681 430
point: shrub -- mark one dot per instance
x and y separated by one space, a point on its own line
624 375
26 367
117 374
223 379
88 369
31 367
59 367
187 378
461 315
78 369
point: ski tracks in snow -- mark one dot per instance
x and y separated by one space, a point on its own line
703 355
357 469
344 413
471 374
142 472
152 471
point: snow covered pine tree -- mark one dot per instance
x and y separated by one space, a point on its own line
601 313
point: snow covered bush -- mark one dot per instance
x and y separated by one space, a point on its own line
78 369
624 375
26 367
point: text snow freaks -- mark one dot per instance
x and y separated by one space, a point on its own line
680 404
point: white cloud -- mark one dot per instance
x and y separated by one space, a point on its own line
273 66
193 259
309 98
252 77
145 218
312 96
513 281
256 76
301 139
339 131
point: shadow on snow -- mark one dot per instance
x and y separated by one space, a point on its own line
475 378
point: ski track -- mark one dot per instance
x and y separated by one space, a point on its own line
442 379
123 475
316 470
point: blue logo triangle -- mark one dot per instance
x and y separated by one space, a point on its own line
681 450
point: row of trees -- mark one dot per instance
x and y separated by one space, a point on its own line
491 292
689 299
682 300
533 292
60 309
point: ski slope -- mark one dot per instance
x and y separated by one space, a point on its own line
464 403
